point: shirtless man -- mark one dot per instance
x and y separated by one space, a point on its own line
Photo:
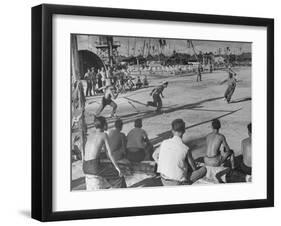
117 141
145 81
214 140
88 78
246 146
138 145
107 100
94 170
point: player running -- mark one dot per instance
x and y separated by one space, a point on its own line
155 93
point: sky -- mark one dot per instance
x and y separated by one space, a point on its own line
135 46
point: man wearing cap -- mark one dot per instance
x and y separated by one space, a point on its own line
155 93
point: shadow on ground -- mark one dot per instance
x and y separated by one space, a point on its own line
148 182
25 213
168 134
152 113
241 100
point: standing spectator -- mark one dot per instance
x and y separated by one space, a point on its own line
199 70
94 80
246 145
122 81
145 81
99 79
87 76
103 76
211 68
138 83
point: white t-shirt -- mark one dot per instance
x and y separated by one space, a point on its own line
172 159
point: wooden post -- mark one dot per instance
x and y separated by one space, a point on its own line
194 50
78 98
75 58
110 50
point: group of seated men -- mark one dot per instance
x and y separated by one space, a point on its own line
135 147
175 163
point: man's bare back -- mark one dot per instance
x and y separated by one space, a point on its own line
214 141
94 144
214 155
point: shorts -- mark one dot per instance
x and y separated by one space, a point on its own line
106 101
245 169
101 175
136 156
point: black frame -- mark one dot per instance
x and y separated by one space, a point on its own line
42 111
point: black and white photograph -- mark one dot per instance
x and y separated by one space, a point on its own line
140 112
152 112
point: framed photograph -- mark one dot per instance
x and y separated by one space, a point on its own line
146 112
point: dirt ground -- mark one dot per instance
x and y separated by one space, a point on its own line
197 103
